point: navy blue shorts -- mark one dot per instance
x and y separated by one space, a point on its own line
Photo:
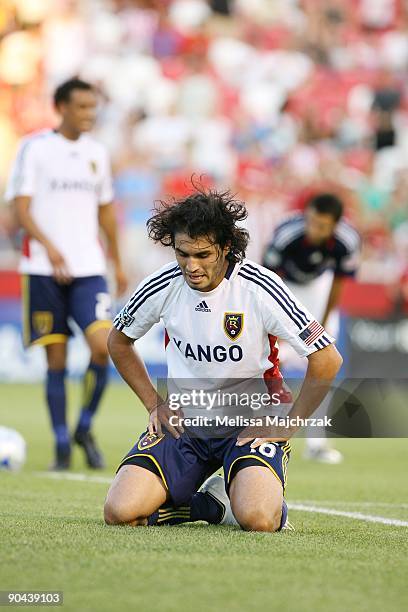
184 464
47 306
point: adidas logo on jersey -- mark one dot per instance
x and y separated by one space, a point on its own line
202 307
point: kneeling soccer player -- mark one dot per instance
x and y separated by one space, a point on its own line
223 315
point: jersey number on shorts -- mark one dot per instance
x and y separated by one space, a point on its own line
102 307
267 449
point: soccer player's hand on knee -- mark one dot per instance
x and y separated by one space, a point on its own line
241 441
260 435
164 416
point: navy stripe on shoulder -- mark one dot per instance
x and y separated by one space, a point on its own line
149 292
143 297
282 303
154 281
277 288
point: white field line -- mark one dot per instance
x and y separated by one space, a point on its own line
332 502
305 507
74 476
359 516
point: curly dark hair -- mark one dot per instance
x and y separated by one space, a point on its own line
205 212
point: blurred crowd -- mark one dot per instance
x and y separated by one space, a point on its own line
274 99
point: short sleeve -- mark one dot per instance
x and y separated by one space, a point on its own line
285 317
349 250
106 194
348 264
22 178
272 257
145 307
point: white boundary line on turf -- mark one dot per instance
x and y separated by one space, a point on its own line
332 502
74 476
369 518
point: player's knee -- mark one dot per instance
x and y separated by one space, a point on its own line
57 364
260 520
118 514
100 355
56 356
111 514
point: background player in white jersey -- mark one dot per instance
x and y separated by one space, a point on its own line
313 252
223 315
62 192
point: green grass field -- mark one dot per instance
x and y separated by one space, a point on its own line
52 536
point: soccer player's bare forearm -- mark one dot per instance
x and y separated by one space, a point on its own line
132 369
322 369
26 221
107 221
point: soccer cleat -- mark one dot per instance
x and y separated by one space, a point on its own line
284 519
62 459
93 455
215 487
323 454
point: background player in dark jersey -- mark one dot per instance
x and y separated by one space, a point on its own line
308 244
313 251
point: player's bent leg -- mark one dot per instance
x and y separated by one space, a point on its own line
256 499
134 495
178 465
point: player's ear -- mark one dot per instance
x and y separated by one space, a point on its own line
60 108
227 248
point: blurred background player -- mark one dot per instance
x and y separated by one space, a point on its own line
61 188
313 252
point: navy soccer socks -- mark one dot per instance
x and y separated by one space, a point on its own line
55 391
94 384
203 507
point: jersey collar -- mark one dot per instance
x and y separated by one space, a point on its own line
229 270
227 276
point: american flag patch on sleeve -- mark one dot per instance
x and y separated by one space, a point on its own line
311 332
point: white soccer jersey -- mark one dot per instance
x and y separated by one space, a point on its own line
229 332
67 181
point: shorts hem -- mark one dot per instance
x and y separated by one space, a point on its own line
153 459
95 325
265 463
49 339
